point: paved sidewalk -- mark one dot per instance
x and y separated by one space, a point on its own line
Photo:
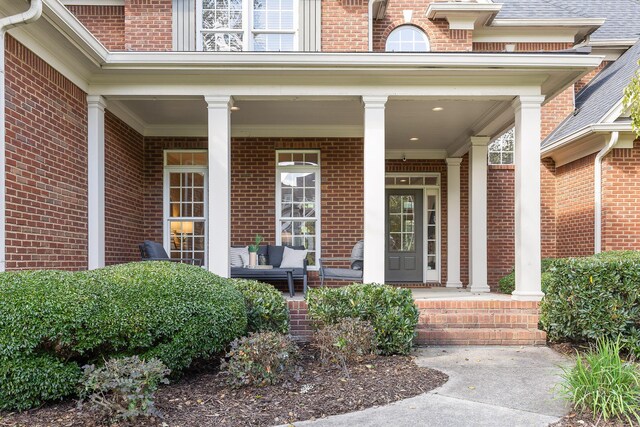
488 386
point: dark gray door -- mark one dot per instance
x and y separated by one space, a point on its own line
403 260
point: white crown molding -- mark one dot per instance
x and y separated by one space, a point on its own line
415 154
92 2
462 15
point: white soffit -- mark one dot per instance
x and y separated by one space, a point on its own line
462 15
529 30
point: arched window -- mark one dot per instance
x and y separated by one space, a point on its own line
407 38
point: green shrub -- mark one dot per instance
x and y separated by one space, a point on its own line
62 320
604 384
594 297
123 388
507 284
345 342
390 310
260 359
266 307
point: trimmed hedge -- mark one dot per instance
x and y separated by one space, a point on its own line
594 297
267 309
53 322
507 284
390 310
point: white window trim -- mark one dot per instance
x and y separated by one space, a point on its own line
247 27
425 189
166 170
318 218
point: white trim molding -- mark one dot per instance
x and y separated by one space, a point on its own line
92 2
95 182
463 15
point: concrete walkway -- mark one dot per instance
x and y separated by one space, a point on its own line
488 386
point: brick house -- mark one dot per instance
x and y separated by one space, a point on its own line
200 123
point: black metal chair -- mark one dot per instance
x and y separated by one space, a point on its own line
352 274
152 251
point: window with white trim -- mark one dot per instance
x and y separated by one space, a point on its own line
247 25
407 38
501 149
298 200
185 203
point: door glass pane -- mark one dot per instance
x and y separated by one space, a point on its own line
431 232
401 223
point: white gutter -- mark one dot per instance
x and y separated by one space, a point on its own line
598 190
6 23
370 31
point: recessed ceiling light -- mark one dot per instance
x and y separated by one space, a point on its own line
414 139
234 108
437 108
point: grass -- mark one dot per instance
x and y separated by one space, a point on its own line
603 383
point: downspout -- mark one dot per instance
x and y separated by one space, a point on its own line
6 23
370 34
597 239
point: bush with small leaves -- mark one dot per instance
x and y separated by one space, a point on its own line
267 309
260 359
347 341
53 322
507 284
123 388
390 310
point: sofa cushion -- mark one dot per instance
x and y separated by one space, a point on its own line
342 273
239 257
154 250
276 252
357 255
292 258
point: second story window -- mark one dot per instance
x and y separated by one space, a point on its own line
407 38
247 25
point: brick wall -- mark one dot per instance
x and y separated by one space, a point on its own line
548 208
520 47
106 23
556 110
580 84
124 193
621 199
574 210
441 38
500 222
46 122
345 26
148 25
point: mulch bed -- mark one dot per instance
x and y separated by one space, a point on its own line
203 399
587 420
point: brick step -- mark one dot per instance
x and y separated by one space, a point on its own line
482 336
432 319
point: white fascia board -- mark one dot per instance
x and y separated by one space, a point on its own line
68 25
621 43
176 61
580 28
92 2
413 154
590 130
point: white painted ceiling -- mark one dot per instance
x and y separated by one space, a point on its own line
405 119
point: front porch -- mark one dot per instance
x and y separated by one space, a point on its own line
457 317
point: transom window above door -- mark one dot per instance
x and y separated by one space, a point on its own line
247 25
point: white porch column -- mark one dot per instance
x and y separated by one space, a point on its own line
374 191
527 209
478 214
219 171
453 223
95 181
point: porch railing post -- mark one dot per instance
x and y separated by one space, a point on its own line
527 209
374 191
219 176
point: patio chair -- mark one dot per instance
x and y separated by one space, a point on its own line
352 274
152 251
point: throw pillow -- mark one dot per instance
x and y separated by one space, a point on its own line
239 257
357 255
292 258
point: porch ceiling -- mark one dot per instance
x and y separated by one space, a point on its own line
343 117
